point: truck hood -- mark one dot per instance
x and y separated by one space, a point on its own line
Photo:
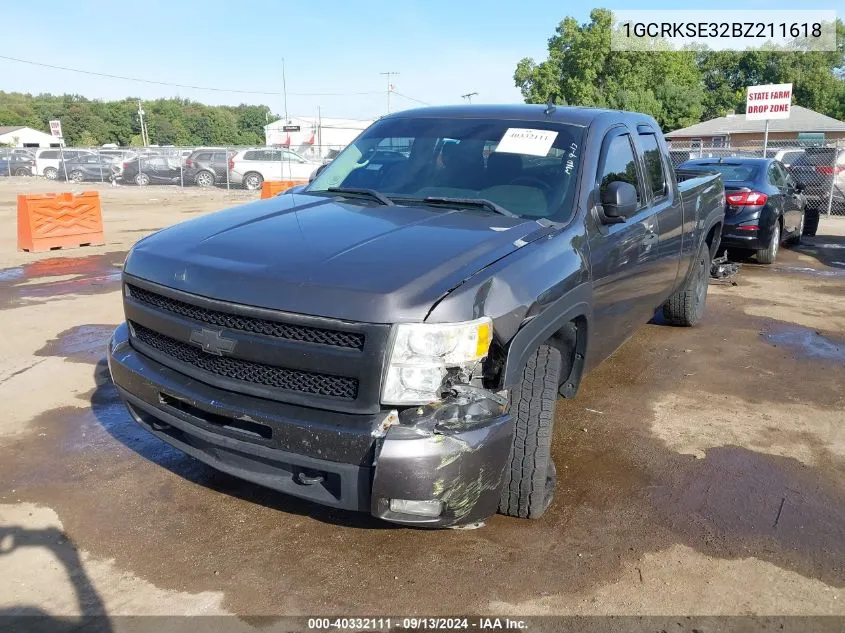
330 257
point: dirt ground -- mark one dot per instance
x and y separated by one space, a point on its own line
700 470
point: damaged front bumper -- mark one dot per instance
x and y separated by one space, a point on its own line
448 457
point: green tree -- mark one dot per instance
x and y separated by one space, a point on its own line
678 88
582 70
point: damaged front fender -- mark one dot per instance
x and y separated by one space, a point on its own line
452 452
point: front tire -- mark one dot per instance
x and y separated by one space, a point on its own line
141 179
205 179
51 173
253 180
529 478
77 176
769 254
22 171
686 307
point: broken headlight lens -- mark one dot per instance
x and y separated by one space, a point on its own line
423 353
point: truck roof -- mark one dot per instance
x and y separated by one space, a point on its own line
575 115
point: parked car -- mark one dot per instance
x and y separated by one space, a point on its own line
251 167
17 153
381 343
206 167
116 155
822 169
47 160
17 165
765 205
88 167
151 170
786 155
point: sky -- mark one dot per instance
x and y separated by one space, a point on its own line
441 49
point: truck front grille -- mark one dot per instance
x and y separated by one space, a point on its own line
248 371
288 331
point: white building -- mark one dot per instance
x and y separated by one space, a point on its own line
313 137
20 136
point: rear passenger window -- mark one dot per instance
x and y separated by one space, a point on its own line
254 155
653 165
620 164
203 157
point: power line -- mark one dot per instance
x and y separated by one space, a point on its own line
192 87
399 94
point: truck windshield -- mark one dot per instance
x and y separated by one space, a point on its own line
528 168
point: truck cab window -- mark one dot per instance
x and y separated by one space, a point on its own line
620 164
653 165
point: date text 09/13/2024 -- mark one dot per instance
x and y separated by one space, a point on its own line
416 624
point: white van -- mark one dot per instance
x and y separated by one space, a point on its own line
47 160
251 167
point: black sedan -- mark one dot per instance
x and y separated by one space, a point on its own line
764 205
87 167
146 170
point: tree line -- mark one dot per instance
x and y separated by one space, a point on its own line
677 88
87 122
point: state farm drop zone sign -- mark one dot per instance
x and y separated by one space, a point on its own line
768 102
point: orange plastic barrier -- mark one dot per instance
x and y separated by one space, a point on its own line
64 220
270 188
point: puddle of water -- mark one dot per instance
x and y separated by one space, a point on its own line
12 273
806 270
89 275
81 344
808 342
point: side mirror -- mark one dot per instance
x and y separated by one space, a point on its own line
619 201
316 173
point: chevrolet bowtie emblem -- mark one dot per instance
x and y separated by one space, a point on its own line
212 342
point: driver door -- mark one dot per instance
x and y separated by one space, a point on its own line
621 254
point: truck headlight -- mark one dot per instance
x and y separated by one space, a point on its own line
423 354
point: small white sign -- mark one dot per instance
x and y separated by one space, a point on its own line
56 128
518 140
772 101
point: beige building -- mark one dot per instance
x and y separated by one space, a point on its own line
734 131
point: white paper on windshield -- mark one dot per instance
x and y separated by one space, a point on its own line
519 140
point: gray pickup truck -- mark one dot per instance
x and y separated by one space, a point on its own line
393 337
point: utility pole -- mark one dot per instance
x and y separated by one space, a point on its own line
144 138
389 87
285 90
468 96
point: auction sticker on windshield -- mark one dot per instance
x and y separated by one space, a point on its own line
518 140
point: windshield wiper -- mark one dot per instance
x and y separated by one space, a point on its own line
484 203
368 193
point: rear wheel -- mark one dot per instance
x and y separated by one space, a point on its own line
767 255
141 179
76 176
22 171
205 179
51 173
530 477
253 180
686 307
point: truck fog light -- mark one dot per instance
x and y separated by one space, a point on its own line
427 508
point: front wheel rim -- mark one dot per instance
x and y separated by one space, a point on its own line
204 180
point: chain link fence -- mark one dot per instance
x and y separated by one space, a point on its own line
229 167
820 167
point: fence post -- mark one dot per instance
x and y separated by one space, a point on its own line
100 165
226 166
182 170
832 179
